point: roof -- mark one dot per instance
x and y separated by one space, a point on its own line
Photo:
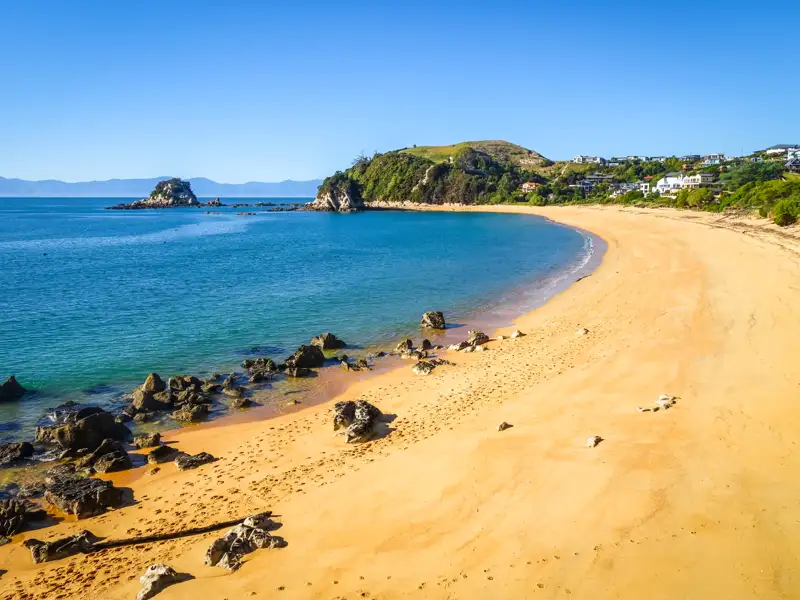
783 146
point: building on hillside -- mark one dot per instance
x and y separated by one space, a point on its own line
583 185
755 159
781 149
644 187
690 158
599 178
713 159
529 186
792 153
583 160
698 181
670 183
793 165
657 158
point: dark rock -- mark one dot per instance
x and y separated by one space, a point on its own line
259 364
404 346
234 392
161 454
210 388
14 452
187 382
433 320
250 535
423 367
503 426
87 432
426 345
327 341
344 413
10 389
15 515
297 371
191 413
476 338
144 400
109 457
30 490
185 462
260 377
82 497
241 402
214 202
170 193
154 384
147 440
358 417
307 357
80 543
142 417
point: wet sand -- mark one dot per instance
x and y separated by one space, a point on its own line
698 501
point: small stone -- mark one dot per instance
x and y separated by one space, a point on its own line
593 441
503 426
582 331
517 333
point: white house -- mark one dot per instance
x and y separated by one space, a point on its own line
793 153
581 159
644 187
529 186
670 183
713 159
698 181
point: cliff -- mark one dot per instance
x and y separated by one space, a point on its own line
170 193
475 173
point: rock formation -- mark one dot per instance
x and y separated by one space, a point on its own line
250 535
15 515
327 341
14 452
82 496
83 429
61 548
359 418
170 193
186 462
338 194
307 357
10 389
433 320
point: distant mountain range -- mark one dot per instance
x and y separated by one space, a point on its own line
141 188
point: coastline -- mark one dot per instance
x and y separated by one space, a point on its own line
448 507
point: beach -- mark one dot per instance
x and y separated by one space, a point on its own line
697 501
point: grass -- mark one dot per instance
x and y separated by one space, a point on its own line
498 149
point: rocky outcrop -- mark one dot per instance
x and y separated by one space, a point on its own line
14 452
109 457
79 543
308 357
476 338
10 389
158 577
191 413
15 515
359 418
186 462
82 497
327 341
86 428
423 367
338 193
250 535
170 193
161 454
433 320
147 440
404 346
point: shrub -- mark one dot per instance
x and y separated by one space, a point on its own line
785 211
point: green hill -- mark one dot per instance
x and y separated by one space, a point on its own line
465 173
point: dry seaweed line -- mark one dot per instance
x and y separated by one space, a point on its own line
161 537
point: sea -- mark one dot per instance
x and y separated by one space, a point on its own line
92 300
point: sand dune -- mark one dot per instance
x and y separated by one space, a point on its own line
697 501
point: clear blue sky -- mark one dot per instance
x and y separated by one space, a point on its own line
240 91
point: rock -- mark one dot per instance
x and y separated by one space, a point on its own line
191 413
415 354
14 452
297 371
240 402
80 543
153 384
503 426
433 320
161 454
260 376
665 401
82 497
234 392
404 346
582 331
87 432
437 362
170 193
423 367
517 333
426 344
15 515
458 347
158 577
338 193
252 534
260 364
147 440
186 462
307 357
210 388
502 337
344 413
476 338
327 341
359 418
10 389
108 457
593 441
142 417
214 202
187 382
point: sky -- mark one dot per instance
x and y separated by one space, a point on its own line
267 91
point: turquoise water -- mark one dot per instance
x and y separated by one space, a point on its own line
93 300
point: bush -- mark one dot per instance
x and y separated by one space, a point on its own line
785 211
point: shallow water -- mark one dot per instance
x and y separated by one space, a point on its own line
93 300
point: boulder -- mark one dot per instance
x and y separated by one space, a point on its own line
161 454
426 345
82 496
359 418
10 389
593 441
86 432
158 577
142 417
14 452
252 534
404 346
503 426
79 543
15 515
234 392
185 462
108 457
517 333
186 382
147 440
153 384
476 338
191 413
240 402
210 388
297 371
307 357
327 341
344 413
458 347
423 367
433 320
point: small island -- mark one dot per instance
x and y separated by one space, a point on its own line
170 193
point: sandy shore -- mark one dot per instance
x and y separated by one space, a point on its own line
699 501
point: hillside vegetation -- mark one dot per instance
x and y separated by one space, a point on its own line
498 149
